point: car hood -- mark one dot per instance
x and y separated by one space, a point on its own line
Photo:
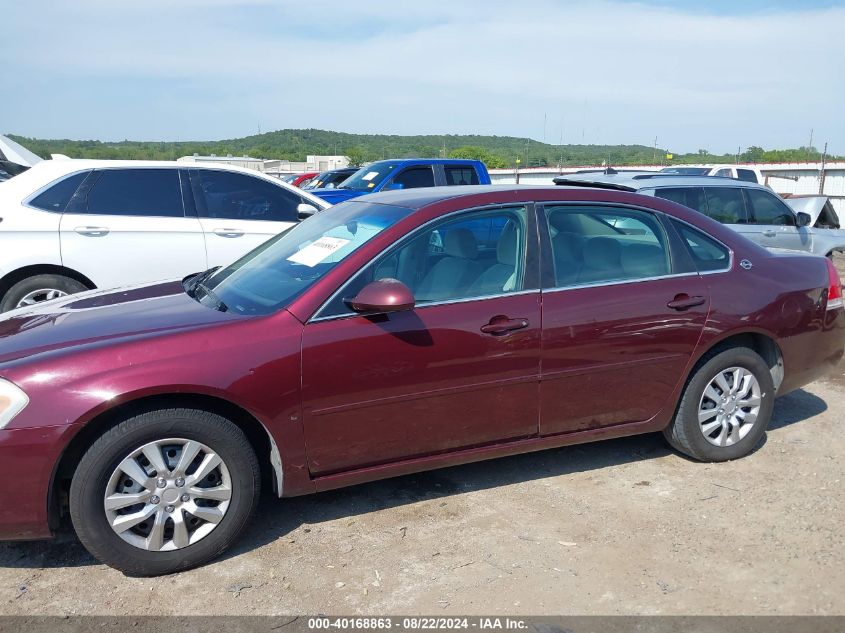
92 318
333 196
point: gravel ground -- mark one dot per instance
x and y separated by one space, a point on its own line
618 527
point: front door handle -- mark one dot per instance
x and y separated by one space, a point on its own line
92 231
502 325
684 302
770 233
228 232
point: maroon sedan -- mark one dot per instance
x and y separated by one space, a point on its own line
410 331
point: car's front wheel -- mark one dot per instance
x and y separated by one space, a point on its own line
725 408
164 491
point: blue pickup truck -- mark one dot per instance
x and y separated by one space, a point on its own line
408 173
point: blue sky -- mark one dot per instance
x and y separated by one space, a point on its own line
705 74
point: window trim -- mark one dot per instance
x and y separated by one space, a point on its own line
28 199
530 212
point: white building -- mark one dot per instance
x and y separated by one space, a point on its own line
274 167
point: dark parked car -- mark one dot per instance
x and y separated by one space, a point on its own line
330 179
378 338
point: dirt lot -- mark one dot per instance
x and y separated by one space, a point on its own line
620 527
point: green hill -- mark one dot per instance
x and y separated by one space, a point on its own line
496 151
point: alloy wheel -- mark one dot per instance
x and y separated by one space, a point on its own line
729 406
37 296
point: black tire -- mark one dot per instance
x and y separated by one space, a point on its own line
685 433
88 489
24 287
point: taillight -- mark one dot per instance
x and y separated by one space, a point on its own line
834 290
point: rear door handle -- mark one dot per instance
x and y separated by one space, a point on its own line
92 231
770 233
502 325
228 232
684 302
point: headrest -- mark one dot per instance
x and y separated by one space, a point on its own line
507 246
643 260
602 252
460 243
567 247
563 221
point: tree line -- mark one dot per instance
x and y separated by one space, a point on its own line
495 151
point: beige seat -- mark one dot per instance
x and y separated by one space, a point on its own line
602 260
452 276
501 276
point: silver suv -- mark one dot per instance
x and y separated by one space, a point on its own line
746 207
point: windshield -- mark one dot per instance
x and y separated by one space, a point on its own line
326 180
686 171
276 272
369 177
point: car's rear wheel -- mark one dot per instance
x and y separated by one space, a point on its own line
39 288
725 408
164 491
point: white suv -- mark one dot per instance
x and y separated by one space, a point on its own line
73 225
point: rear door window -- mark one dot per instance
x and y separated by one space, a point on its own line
769 209
726 205
630 245
460 175
137 192
233 196
692 197
58 194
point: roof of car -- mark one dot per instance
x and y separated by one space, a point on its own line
424 196
48 170
650 180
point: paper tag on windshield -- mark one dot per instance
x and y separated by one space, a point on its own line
370 175
317 251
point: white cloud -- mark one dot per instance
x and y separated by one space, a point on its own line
613 71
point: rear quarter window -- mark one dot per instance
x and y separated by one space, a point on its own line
461 175
57 195
708 254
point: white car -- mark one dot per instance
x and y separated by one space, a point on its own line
748 174
72 225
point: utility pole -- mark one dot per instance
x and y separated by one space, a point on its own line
560 162
821 171
654 156
545 116
810 146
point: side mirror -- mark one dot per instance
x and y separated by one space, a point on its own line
804 219
384 295
304 210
